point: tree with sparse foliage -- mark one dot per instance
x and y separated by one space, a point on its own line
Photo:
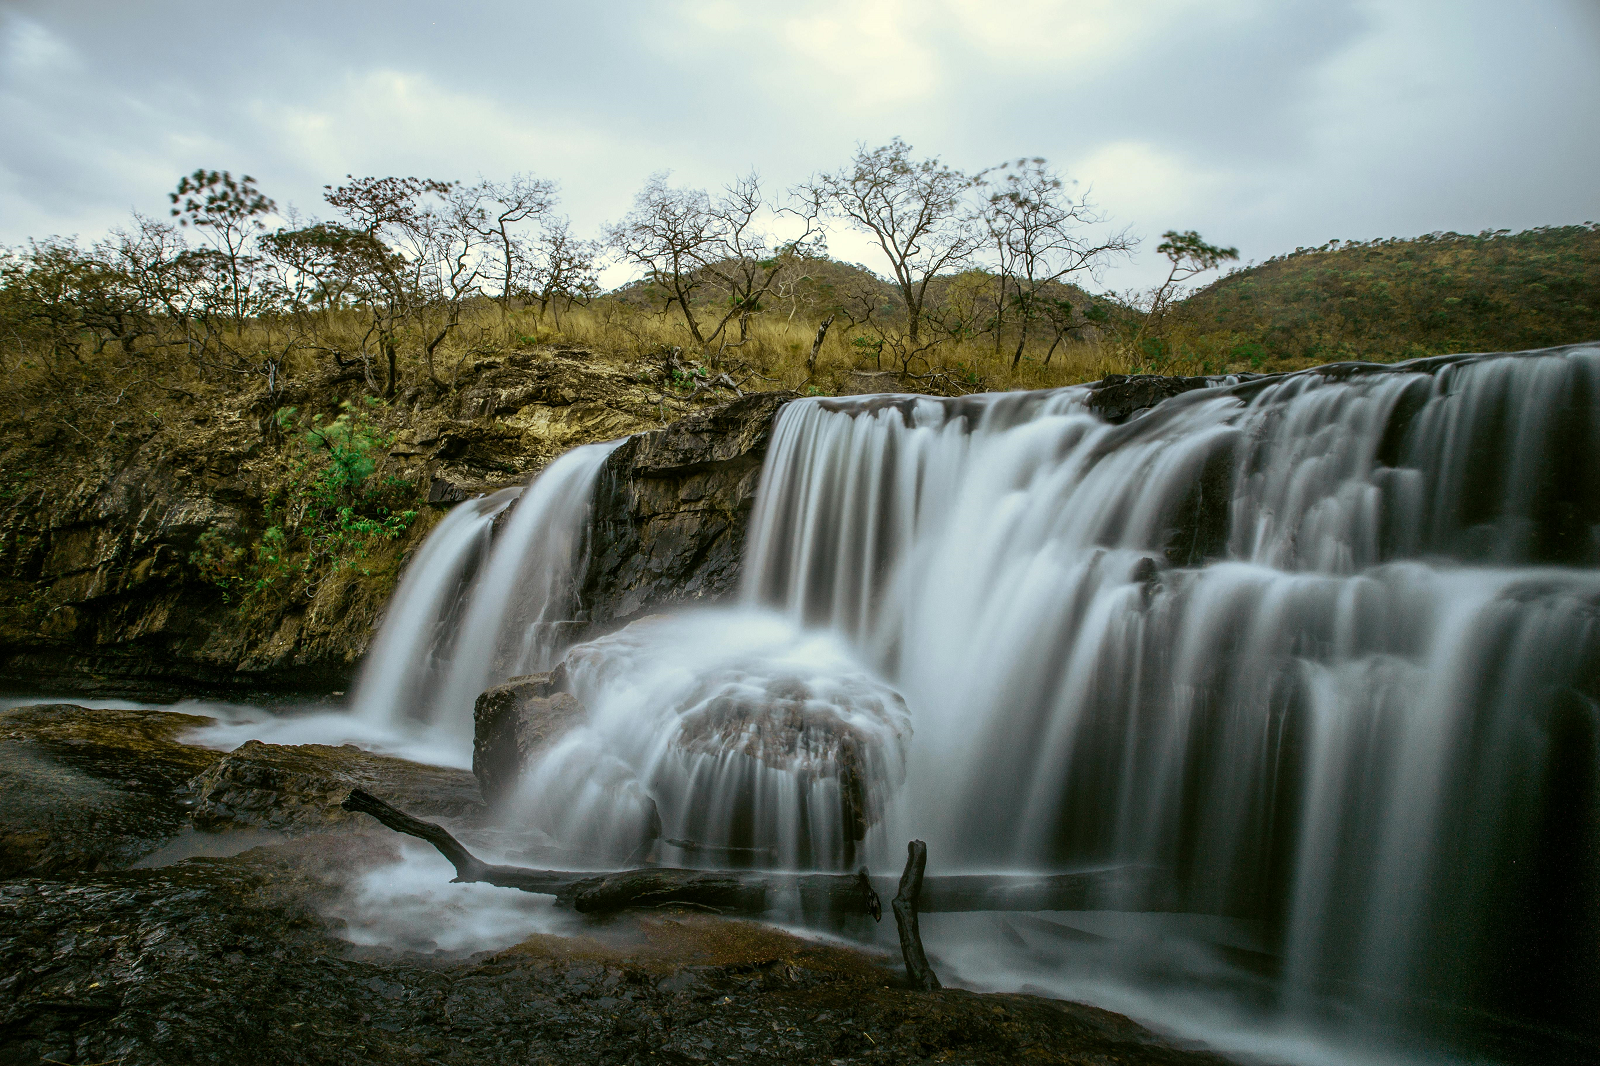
913 211
229 213
1188 256
1042 235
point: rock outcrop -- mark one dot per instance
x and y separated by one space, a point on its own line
298 788
671 512
513 722
1120 397
84 790
100 591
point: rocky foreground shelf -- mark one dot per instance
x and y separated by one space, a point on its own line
239 959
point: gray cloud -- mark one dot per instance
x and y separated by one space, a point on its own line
1264 123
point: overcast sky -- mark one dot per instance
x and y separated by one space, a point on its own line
1266 124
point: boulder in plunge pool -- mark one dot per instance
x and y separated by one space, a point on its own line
514 722
752 736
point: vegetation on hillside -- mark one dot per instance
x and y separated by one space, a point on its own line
409 281
1395 299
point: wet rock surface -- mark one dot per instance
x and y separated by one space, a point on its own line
84 790
1120 397
512 723
239 959
850 730
227 961
298 788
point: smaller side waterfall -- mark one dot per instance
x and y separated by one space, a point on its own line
478 605
399 677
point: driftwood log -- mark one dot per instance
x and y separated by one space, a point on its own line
1126 888
905 918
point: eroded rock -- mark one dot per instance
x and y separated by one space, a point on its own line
671 511
513 722
100 588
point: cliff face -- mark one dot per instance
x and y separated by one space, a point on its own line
671 512
99 589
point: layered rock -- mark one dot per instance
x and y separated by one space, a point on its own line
671 512
99 590
846 729
1120 397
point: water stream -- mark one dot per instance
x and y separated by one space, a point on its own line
1325 645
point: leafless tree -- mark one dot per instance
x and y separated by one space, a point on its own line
498 213
912 209
450 254
691 245
394 251
559 270
1041 235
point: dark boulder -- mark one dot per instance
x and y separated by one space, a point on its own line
671 510
513 722
1120 397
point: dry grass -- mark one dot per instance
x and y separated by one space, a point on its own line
111 389
774 352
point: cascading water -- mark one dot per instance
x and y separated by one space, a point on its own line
475 609
1327 646
735 731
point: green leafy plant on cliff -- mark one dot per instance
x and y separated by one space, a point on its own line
329 517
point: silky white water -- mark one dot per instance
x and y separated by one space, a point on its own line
476 608
1323 645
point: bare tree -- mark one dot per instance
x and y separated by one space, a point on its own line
750 261
1042 236
912 208
670 233
449 246
559 270
689 242
497 211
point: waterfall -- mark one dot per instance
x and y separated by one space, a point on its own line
1326 645
478 606
728 729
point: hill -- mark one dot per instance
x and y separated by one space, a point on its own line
1392 299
